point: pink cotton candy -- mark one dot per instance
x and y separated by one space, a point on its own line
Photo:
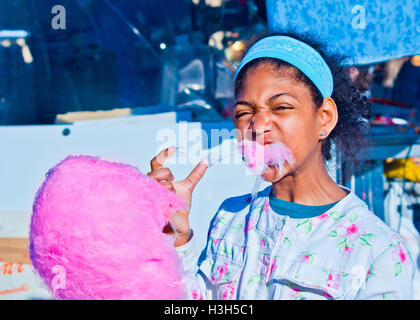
258 157
96 233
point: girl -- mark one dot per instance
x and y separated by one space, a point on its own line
304 237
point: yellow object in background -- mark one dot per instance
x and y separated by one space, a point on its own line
70 117
403 168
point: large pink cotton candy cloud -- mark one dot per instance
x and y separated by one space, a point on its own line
258 157
96 233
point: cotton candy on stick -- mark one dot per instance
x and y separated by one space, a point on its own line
96 233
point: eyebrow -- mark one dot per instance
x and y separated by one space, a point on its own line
279 95
244 103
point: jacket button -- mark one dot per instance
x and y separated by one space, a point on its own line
263 270
278 226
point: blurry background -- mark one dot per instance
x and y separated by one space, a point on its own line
134 54
121 72
120 54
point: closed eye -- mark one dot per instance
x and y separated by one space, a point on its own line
237 116
282 108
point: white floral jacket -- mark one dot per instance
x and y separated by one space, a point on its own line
254 253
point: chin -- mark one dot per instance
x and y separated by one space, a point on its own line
273 174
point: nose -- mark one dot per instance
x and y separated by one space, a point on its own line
260 125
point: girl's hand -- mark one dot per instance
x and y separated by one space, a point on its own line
183 189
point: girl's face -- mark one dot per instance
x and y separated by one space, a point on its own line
274 107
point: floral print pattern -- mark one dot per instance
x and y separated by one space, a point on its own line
350 233
255 253
400 257
226 292
306 257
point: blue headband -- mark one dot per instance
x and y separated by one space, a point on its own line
298 54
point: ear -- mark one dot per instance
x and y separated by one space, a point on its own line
328 117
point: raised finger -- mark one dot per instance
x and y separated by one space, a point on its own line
158 161
197 173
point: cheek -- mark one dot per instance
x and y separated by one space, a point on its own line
299 136
242 130
302 146
297 132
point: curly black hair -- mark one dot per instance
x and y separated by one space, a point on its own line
351 134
